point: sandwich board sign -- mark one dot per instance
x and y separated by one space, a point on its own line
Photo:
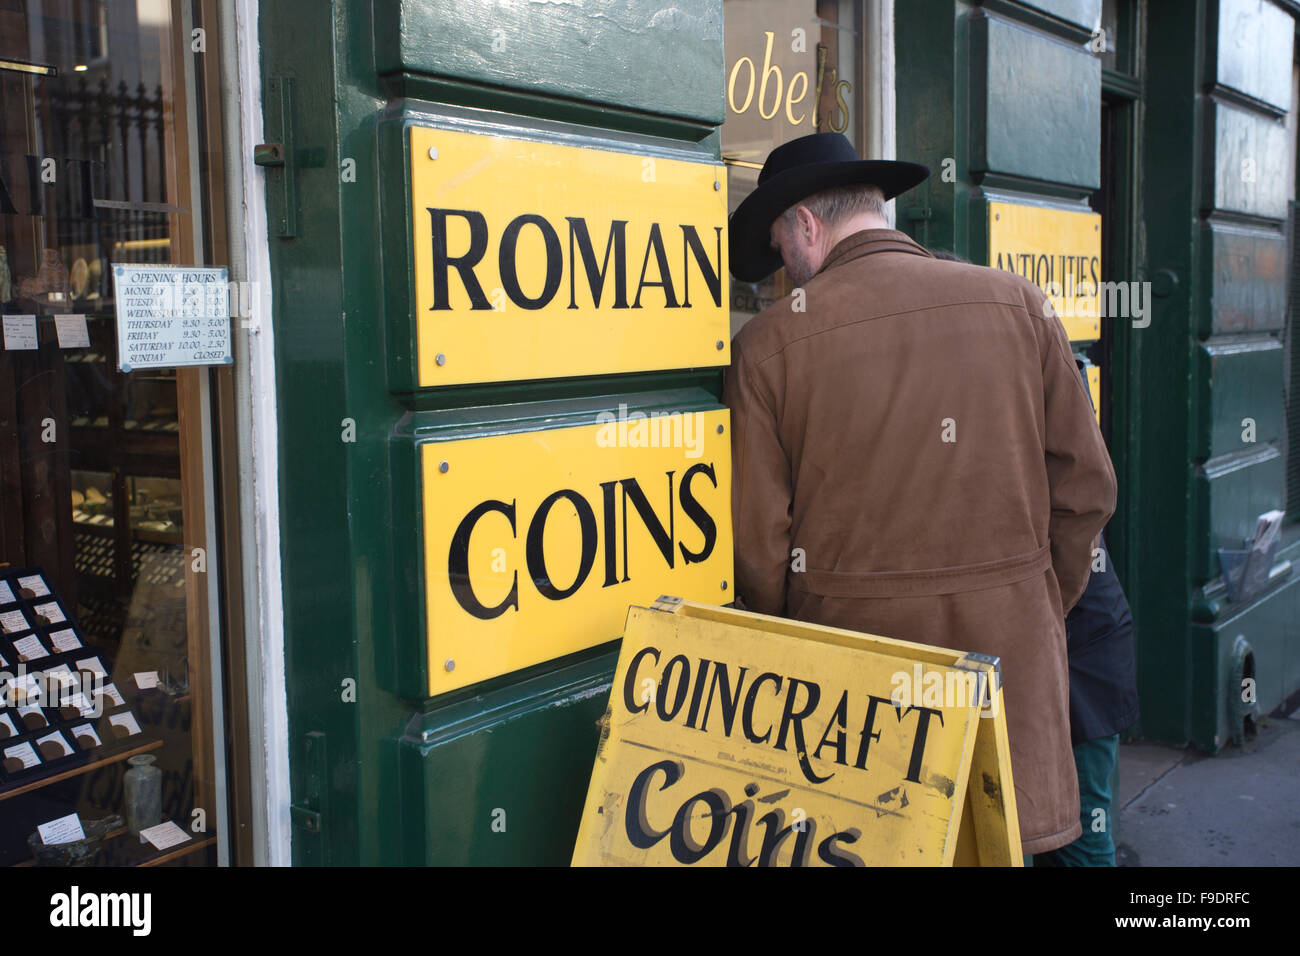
739 739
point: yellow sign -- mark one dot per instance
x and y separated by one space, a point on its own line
1059 250
737 739
1094 388
534 260
536 543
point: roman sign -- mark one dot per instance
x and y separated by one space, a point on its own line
536 543
739 739
1059 250
535 260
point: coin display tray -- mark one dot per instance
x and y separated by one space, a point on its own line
37 722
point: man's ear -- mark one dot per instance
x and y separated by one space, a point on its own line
808 224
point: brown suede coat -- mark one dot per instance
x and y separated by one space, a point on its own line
980 543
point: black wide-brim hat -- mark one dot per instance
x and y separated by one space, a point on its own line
794 171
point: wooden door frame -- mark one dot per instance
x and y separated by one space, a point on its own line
209 454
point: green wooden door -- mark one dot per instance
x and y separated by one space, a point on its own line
1211 372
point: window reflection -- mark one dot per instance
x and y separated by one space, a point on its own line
791 69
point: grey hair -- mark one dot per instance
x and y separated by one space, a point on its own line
832 206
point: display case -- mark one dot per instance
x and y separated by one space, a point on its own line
106 476
72 713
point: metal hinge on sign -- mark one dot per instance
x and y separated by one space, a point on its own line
983 659
977 663
306 813
666 603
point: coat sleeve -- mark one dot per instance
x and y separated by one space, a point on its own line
1080 476
760 490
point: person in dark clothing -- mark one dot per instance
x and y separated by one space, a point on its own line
1103 700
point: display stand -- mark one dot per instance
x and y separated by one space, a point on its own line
63 720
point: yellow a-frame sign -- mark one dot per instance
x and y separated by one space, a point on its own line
741 739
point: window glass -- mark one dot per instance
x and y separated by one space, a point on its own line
1118 19
106 708
793 68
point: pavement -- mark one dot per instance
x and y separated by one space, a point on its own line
1181 807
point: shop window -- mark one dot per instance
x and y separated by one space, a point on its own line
107 702
1119 19
793 68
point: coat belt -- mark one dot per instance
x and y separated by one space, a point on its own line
923 583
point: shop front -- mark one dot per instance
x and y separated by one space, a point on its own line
363 360
116 441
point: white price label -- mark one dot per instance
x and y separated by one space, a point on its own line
20 333
164 835
72 331
63 830
65 640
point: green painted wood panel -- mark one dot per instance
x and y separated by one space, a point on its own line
1246 272
638 54
1255 39
1083 13
929 37
1250 162
1214 223
1240 379
318 573
1268 625
1229 495
1163 507
1035 105
500 778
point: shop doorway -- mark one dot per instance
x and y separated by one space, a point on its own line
1115 199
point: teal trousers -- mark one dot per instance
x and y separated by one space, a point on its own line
1095 762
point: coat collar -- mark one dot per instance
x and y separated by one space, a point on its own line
869 241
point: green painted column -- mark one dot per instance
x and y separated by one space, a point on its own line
1238 321
1209 369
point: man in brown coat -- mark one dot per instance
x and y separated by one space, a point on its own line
919 431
